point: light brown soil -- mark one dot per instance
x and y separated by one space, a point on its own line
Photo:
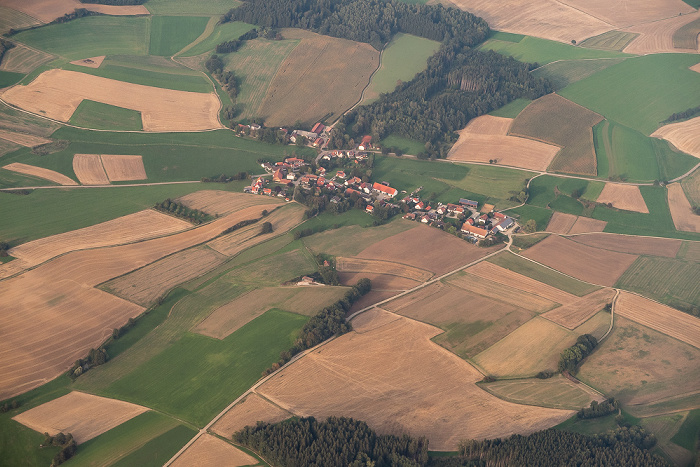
574 314
22 59
561 223
144 286
48 10
321 75
371 298
135 227
382 267
696 67
92 62
123 168
40 172
541 18
586 224
488 125
248 412
244 309
657 37
89 170
210 450
681 211
683 135
625 197
223 202
382 282
426 248
57 93
594 265
667 247
48 306
398 381
512 279
85 416
621 14
662 318
691 252
506 150
28 141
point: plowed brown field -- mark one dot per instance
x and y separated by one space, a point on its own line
561 223
49 10
89 170
92 62
248 412
625 197
620 14
574 314
123 168
683 135
398 381
383 282
85 416
28 141
667 247
681 211
210 450
657 37
40 172
382 267
57 93
586 224
223 202
594 265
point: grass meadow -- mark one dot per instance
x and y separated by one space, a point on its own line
105 117
564 72
222 33
189 7
170 34
408 146
511 109
158 450
8 78
542 51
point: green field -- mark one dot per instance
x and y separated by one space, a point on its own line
564 72
8 78
636 92
526 241
512 109
170 34
611 40
689 432
556 392
496 182
408 146
667 280
328 220
222 33
542 51
159 450
90 37
189 7
548 276
506 36
402 59
555 193
629 154
91 114
528 212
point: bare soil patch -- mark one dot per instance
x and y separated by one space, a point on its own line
441 252
89 170
321 75
135 227
666 247
681 211
85 416
223 202
488 125
48 10
22 59
380 282
620 14
57 93
586 224
657 37
574 314
121 168
210 450
683 135
382 267
40 172
625 197
394 378
244 309
23 139
92 62
248 412
662 318
561 223
696 67
506 150
602 267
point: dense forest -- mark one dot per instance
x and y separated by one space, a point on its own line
336 441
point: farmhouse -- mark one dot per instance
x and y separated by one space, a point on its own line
469 203
366 143
475 231
318 128
378 187
505 224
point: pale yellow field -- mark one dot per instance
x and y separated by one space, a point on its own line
561 222
683 135
622 13
681 211
89 170
657 37
586 224
40 172
382 267
388 373
209 450
57 93
223 202
123 168
625 197
85 416
28 141
92 62
248 412
574 314
48 10
488 125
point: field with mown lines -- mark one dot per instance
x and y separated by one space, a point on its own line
557 392
667 247
618 12
658 36
345 264
611 40
210 450
22 59
14 19
575 313
664 279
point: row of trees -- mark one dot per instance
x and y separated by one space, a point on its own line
336 441
599 409
572 356
684 115
95 357
227 79
180 210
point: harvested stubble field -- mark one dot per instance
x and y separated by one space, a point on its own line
32 302
23 139
40 172
575 313
144 286
471 322
380 282
625 197
48 10
344 65
667 247
559 121
601 267
216 202
90 62
121 168
542 18
248 412
662 318
619 14
210 450
89 169
22 59
586 224
382 267
13 19
683 135
85 416
126 229
424 391
640 366
611 40
557 392
227 319
351 240
561 223
21 122
686 37
657 36
442 252
57 93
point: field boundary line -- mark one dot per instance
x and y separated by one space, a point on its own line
208 30
584 59
362 94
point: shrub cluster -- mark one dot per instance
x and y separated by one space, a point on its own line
571 357
599 410
180 210
67 444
